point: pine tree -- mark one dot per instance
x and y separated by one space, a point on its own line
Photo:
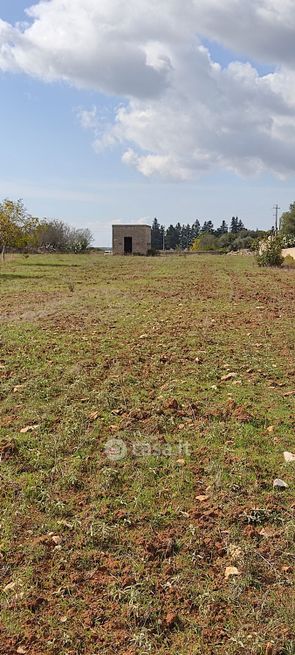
234 224
208 228
178 235
223 229
157 239
171 238
188 236
240 226
195 229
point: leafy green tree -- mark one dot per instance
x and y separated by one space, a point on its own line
225 241
288 221
17 227
270 251
205 242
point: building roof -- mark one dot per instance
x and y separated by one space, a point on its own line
130 225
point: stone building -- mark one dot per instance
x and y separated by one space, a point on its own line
131 239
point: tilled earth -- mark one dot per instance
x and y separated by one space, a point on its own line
146 405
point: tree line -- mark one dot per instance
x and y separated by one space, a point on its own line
233 236
21 231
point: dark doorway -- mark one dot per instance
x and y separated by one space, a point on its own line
127 245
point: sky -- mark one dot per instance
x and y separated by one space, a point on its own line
123 110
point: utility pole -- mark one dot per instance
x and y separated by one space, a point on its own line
276 215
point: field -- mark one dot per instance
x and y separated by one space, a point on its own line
146 404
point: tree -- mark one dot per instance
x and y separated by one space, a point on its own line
157 235
223 229
178 235
234 224
186 237
80 240
270 252
16 225
205 242
208 227
171 238
195 229
53 235
57 236
288 221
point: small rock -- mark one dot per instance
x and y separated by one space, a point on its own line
280 484
231 570
229 376
56 540
289 457
29 428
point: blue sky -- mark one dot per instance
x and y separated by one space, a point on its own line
49 160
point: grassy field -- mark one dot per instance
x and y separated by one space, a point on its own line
145 408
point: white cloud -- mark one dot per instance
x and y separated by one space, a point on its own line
183 113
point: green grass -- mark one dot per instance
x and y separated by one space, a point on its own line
100 556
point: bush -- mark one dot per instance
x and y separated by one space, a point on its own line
288 240
270 252
205 242
289 261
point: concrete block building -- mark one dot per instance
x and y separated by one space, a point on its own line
131 239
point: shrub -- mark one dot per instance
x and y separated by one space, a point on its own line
289 261
288 240
270 252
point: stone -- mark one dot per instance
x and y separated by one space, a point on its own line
289 457
280 484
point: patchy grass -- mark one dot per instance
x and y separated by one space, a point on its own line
100 555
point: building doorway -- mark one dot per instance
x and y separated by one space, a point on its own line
127 245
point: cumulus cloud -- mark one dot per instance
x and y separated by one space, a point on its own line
181 113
